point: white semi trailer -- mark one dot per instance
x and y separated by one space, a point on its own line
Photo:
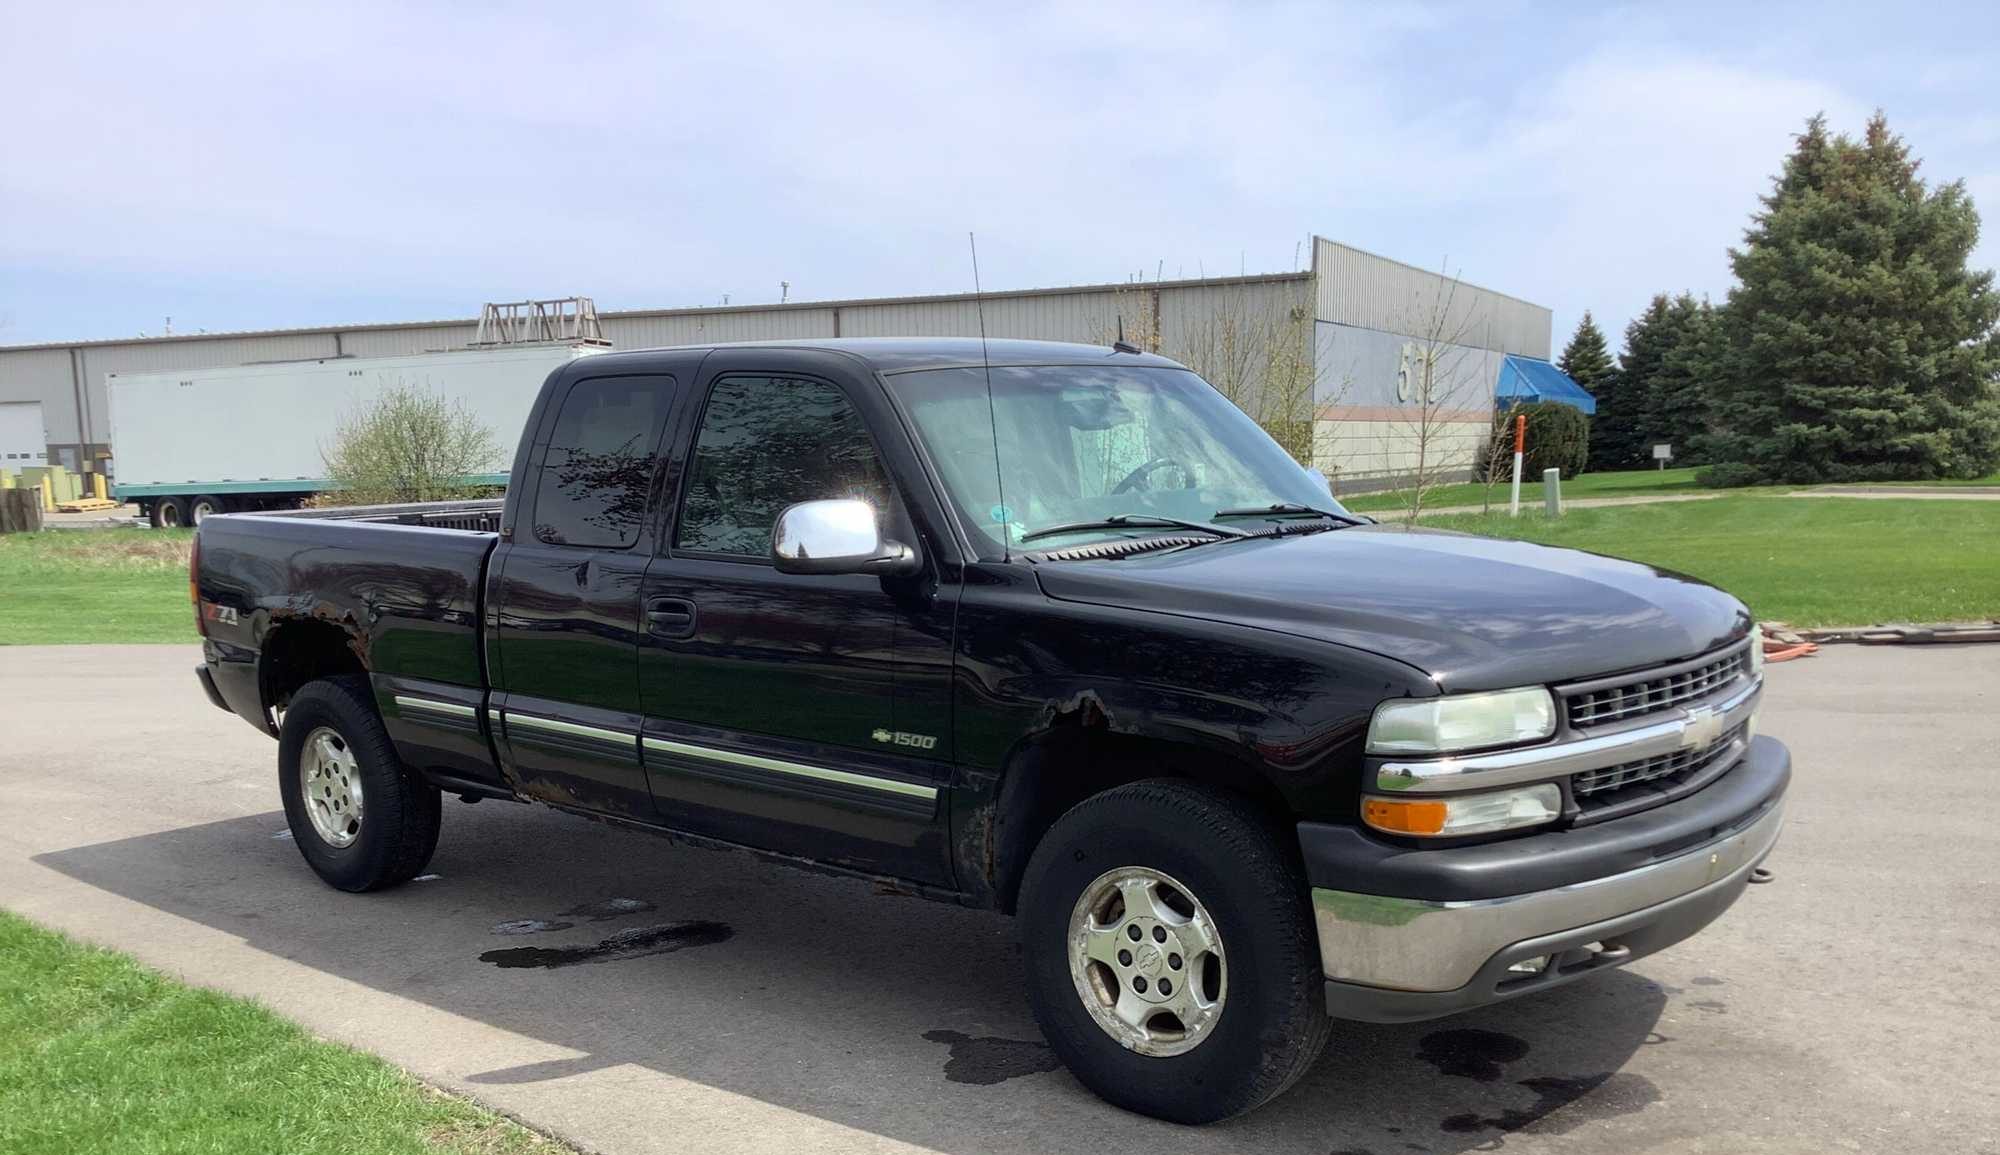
191 442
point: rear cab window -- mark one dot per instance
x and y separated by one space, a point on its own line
597 470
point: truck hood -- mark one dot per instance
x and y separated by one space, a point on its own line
1472 612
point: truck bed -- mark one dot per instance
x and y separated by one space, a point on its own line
402 583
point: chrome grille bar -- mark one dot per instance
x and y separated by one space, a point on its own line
1610 700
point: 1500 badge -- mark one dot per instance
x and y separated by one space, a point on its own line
905 738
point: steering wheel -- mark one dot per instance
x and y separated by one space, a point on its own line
1140 474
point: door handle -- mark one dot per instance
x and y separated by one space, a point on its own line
670 617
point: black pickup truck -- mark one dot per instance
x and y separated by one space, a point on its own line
1050 629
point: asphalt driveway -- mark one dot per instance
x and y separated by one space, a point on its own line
634 995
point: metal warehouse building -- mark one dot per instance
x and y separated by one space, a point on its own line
1375 333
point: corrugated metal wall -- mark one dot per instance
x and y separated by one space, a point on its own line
1371 292
1355 289
42 375
651 330
1363 367
403 341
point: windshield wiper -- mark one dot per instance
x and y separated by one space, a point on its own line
1290 508
1135 521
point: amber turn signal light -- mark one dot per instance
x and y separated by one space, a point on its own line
1404 816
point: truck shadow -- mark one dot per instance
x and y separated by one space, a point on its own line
834 997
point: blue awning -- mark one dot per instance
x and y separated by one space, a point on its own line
1526 380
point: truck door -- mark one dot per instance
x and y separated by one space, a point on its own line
808 714
564 595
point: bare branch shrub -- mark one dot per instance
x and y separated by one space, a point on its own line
1442 377
1260 357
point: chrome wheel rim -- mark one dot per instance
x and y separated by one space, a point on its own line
198 512
330 786
1147 961
170 516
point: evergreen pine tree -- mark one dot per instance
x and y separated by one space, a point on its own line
1585 358
1857 344
1621 433
1676 391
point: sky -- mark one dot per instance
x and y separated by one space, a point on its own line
299 164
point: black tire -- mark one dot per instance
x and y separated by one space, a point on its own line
1273 1023
169 513
199 508
401 812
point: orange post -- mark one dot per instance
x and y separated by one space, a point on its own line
1520 443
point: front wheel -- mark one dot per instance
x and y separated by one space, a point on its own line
1170 951
362 821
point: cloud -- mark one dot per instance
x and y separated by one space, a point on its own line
289 156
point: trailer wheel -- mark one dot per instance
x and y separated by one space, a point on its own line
169 513
200 507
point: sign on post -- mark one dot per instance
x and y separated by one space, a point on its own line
1663 453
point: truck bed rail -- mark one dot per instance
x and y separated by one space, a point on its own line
481 516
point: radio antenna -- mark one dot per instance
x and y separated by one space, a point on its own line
1001 513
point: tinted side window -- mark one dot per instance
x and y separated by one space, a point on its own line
599 465
766 442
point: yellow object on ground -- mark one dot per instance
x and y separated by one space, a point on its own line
87 505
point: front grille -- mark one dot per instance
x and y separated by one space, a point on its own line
1663 770
1652 693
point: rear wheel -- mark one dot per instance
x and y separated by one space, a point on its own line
200 507
1170 950
169 513
362 820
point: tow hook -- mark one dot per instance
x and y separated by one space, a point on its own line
1761 874
1593 954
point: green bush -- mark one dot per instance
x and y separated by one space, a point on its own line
1558 438
1729 475
408 445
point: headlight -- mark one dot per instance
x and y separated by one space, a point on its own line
1756 651
1464 813
1461 722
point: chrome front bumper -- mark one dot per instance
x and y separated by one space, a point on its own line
1388 959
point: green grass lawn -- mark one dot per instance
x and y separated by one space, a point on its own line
1627 483
95 585
1989 479
1624 483
99 1054
1807 561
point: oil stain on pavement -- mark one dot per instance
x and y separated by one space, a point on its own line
638 942
608 909
1482 1056
1615 1093
530 926
1470 1054
988 1060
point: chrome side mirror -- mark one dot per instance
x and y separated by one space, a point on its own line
837 536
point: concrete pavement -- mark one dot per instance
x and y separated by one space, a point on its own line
726 1005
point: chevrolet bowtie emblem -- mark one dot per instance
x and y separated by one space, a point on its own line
1704 726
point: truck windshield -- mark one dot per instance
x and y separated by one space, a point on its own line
1083 443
